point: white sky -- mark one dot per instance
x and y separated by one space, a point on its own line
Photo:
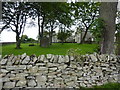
32 32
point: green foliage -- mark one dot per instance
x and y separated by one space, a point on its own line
76 53
85 13
63 35
31 40
97 29
24 38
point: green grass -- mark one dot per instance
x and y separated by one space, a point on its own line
55 48
108 86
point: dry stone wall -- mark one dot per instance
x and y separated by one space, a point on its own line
58 71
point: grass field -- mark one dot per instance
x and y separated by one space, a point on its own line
108 86
56 48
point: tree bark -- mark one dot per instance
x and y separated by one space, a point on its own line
83 39
51 34
38 27
42 27
118 43
108 14
18 41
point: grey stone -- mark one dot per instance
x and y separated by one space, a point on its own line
29 66
23 67
104 65
74 78
1 83
21 83
32 83
9 85
0 57
59 79
9 63
114 68
41 64
61 59
49 56
109 70
42 58
30 77
66 59
82 84
33 61
55 58
99 84
52 64
16 67
104 68
3 61
52 76
26 60
11 67
43 68
46 61
5 79
79 68
21 76
33 69
52 58
23 56
44 42
71 58
62 66
14 59
94 59
73 66
4 70
81 78
71 83
53 68
14 71
40 78
17 61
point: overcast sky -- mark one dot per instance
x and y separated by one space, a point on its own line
32 32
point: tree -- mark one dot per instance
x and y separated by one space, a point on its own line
97 29
45 14
59 15
24 38
63 35
85 14
49 14
14 18
31 40
108 15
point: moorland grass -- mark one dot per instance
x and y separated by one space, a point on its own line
55 48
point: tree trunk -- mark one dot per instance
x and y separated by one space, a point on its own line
118 43
18 41
38 27
42 27
83 39
108 14
51 34
62 42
